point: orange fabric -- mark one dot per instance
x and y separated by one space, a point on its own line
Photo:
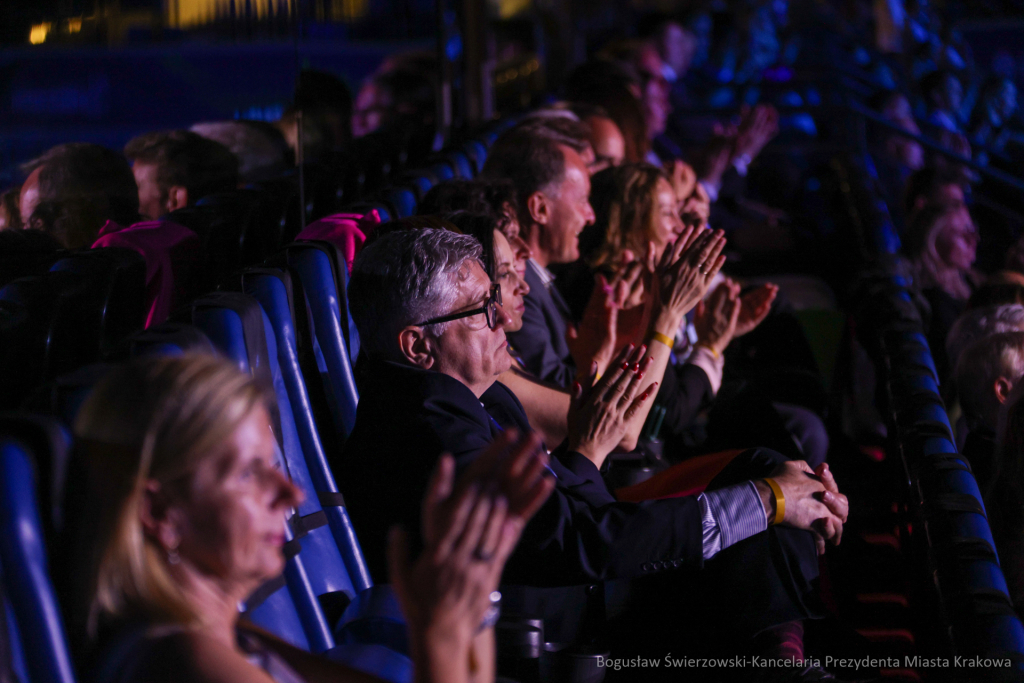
688 478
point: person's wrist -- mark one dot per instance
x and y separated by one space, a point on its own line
665 322
715 347
767 499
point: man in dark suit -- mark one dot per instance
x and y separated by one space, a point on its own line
554 206
432 331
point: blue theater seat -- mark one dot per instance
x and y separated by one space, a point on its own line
443 171
316 578
23 562
404 201
476 151
317 274
77 313
461 164
271 288
237 325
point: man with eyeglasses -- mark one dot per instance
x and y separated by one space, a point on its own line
430 323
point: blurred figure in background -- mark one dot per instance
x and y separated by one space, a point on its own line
177 168
260 147
325 105
73 190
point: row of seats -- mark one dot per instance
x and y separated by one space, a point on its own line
286 321
947 511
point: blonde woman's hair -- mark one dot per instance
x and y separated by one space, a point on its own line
628 211
152 419
926 264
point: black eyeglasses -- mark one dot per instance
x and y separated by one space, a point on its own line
490 310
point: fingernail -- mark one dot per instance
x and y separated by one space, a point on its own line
636 367
640 375
576 387
827 497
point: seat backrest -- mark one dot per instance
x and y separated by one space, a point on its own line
168 339
270 287
103 301
237 325
80 311
461 164
24 568
404 201
317 275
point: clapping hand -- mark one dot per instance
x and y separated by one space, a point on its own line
470 527
717 317
813 501
754 308
756 129
601 410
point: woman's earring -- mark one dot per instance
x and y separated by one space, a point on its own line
173 557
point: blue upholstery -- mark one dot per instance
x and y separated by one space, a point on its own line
443 171
404 201
24 569
422 182
376 660
170 339
316 275
374 617
476 151
462 165
221 317
269 288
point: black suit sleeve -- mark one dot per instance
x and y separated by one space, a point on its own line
533 344
683 392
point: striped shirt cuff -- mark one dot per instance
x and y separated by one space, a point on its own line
730 515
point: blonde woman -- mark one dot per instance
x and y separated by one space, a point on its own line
186 518
941 244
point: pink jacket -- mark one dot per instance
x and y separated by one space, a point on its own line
346 231
171 252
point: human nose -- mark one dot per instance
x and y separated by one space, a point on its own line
523 252
501 318
287 494
590 216
521 288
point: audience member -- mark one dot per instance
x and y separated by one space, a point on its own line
10 215
940 245
943 94
605 137
72 191
85 196
978 323
986 373
435 391
553 185
260 148
185 517
609 85
1004 496
177 168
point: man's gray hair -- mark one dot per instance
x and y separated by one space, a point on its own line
981 322
981 364
405 277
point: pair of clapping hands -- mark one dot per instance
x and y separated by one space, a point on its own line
470 527
621 308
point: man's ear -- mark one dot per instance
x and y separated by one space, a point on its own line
157 518
417 347
539 207
177 198
1002 386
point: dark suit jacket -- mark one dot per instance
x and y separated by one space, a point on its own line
407 417
540 344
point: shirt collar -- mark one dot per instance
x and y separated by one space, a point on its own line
547 278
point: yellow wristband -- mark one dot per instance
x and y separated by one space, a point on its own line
780 500
709 347
664 339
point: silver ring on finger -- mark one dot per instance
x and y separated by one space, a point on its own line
481 556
